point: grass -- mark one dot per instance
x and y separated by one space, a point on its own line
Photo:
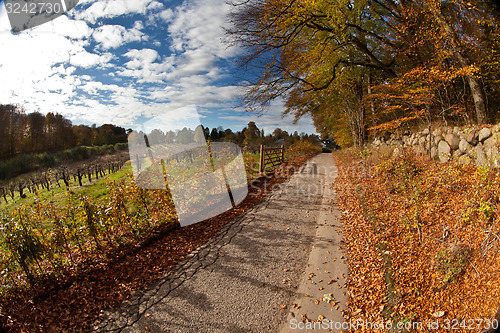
56 229
64 304
252 165
48 229
97 190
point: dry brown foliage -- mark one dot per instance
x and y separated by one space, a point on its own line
422 240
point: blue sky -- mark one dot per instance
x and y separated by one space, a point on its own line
127 61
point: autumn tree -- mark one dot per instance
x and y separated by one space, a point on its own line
36 132
278 134
462 24
302 47
59 131
12 125
170 137
199 134
185 135
302 51
252 133
84 135
156 136
450 49
22 133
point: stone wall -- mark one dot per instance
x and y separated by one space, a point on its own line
469 144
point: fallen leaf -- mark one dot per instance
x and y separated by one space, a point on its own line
358 311
438 314
328 298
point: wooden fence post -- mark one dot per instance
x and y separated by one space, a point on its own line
262 166
271 156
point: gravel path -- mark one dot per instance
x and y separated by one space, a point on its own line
241 280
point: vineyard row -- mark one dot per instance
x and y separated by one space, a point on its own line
52 177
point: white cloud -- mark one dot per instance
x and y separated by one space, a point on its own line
65 26
48 67
37 66
195 34
198 25
154 5
114 8
86 59
92 87
143 67
175 119
113 36
194 62
138 25
141 58
167 15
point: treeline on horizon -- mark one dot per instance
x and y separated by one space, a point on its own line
34 133
250 137
33 141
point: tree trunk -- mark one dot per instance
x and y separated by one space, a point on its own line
356 115
372 104
479 99
360 123
472 80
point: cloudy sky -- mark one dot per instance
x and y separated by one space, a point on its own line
126 62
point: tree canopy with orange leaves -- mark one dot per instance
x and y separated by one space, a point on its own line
370 65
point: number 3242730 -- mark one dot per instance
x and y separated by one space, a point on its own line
34 8
455 324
